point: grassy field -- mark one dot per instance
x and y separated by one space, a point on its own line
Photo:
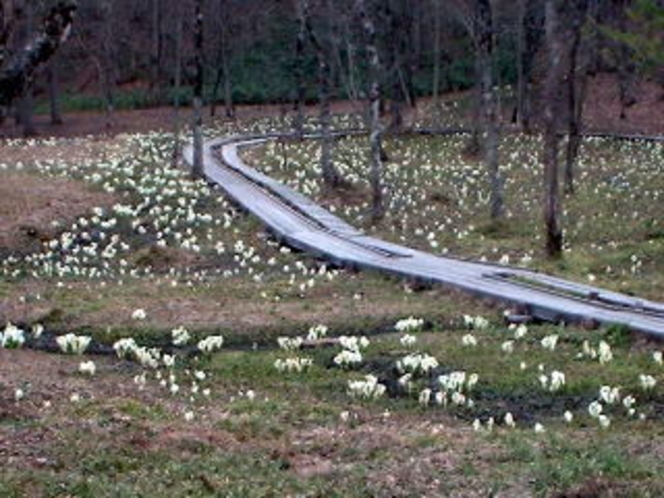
104 239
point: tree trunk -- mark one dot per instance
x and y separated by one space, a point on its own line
485 41
552 205
331 176
300 89
198 168
156 51
436 51
16 77
376 128
178 83
53 93
577 76
522 81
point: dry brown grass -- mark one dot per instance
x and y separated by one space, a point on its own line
29 205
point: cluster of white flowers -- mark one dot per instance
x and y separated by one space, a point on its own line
72 343
469 340
409 325
408 340
317 332
87 368
417 364
124 347
603 353
554 382
296 364
368 388
647 382
520 331
475 322
210 344
455 388
549 342
12 337
139 314
180 336
351 353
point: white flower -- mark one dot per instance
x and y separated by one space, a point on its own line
72 343
595 409
568 416
557 380
425 397
410 324
369 388
417 363
605 353
19 394
604 421
189 416
549 342
139 314
123 347
317 332
87 368
293 364
507 347
408 340
469 340
477 425
75 398
647 382
180 336
290 343
475 322
539 428
509 420
520 332
658 357
12 337
348 358
210 344
37 330
609 394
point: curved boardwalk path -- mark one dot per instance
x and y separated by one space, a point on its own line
302 224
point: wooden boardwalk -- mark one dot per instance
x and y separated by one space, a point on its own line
302 224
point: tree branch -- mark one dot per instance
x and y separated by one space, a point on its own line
17 77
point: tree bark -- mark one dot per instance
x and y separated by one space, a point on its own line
552 205
17 76
54 94
436 51
331 176
198 170
376 127
485 46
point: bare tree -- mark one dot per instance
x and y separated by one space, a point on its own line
376 128
577 76
555 34
198 169
484 33
16 76
322 46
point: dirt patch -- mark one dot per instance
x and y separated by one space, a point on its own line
30 205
